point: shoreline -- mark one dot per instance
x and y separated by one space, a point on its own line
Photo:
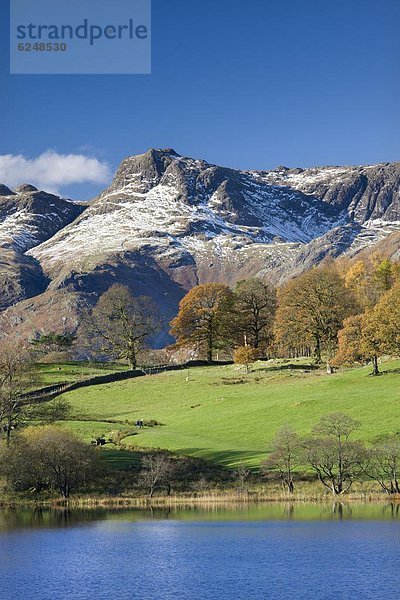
181 501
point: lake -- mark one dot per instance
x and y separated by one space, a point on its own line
274 551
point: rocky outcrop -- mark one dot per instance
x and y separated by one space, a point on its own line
366 193
168 222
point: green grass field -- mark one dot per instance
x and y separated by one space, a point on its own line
53 373
221 414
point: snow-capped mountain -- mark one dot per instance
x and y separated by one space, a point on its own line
27 218
168 222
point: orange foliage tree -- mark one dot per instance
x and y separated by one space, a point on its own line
311 310
369 335
245 355
204 318
359 341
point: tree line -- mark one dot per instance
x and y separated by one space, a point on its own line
335 458
343 311
47 459
347 312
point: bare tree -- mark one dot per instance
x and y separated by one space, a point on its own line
255 304
157 471
120 324
19 467
285 456
336 459
18 405
16 376
241 474
383 464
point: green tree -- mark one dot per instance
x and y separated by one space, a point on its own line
383 275
45 343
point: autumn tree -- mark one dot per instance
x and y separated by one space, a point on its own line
369 335
120 324
371 343
311 310
387 320
255 305
204 318
373 333
358 341
358 280
335 458
349 349
285 456
245 355
370 277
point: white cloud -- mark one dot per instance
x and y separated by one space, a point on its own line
51 171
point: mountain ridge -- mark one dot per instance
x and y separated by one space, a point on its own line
167 222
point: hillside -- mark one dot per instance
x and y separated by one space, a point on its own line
168 222
224 416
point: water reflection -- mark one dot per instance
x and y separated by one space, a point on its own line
45 518
38 518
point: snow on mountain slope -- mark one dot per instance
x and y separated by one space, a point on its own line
185 211
27 218
364 192
172 204
167 222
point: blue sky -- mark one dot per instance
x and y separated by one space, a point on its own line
247 84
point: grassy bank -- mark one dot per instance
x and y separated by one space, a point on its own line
305 492
68 372
223 415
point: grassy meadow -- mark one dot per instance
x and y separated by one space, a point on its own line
54 373
221 414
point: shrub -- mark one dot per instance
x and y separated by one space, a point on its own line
49 457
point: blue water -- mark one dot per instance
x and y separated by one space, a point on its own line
116 557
